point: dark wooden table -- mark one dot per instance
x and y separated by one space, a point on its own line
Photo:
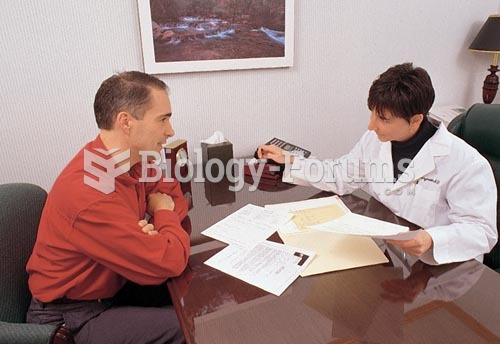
399 302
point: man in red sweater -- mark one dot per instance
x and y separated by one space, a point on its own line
95 249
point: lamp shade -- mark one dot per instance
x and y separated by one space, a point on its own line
488 38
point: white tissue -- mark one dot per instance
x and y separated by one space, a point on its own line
217 137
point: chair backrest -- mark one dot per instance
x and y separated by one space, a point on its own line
20 210
480 127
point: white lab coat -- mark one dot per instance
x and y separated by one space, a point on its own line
448 189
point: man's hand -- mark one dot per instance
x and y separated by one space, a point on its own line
417 246
157 201
147 228
272 152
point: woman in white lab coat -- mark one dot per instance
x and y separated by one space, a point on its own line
422 173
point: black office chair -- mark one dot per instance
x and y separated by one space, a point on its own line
480 127
20 211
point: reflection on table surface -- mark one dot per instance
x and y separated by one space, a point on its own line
404 301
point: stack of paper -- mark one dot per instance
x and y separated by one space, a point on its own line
322 228
340 238
268 265
309 213
330 214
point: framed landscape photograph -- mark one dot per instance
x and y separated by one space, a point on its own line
206 35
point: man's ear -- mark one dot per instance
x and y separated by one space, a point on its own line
123 121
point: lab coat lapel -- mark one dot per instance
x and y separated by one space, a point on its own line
423 163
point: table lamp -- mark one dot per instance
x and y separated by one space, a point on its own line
488 41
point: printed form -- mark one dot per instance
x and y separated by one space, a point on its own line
247 226
268 265
249 257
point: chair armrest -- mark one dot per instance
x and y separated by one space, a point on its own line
26 333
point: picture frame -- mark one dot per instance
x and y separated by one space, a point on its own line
181 36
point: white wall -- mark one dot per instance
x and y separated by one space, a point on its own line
55 54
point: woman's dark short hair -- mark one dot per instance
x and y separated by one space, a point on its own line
402 90
127 91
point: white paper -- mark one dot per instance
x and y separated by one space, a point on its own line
247 226
349 223
355 224
268 265
290 226
400 236
307 204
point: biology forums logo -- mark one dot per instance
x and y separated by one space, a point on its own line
103 168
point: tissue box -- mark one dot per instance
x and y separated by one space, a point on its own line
217 192
222 151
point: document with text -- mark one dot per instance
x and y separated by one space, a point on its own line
310 212
268 265
247 226
330 214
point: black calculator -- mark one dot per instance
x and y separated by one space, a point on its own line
295 150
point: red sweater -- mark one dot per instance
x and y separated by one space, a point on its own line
90 243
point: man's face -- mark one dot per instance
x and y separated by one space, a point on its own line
391 128
152 131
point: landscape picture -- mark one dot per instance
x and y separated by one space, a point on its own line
190 35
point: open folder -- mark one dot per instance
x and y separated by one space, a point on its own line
316 226
335 251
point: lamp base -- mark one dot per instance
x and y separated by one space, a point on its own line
490 85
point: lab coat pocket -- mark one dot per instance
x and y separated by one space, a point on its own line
424 205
